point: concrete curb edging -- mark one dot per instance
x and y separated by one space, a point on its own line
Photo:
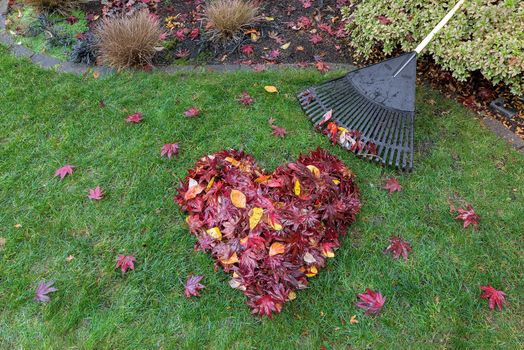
48 62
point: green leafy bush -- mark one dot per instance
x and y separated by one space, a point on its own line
486 35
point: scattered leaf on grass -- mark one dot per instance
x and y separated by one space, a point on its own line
42 291
169 150
398 247
96 193
134 118
495 297
193 285
278 131
469 216
192 112
371 301
64 171
392 185
271 89
125 262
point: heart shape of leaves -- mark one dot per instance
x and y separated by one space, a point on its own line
271 231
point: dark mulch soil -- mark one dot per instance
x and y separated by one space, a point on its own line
279 24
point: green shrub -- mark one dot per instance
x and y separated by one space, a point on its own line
486 35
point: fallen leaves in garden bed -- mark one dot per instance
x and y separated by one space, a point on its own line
271 231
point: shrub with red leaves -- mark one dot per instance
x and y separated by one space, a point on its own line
271 231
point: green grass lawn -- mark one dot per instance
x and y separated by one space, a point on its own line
48 120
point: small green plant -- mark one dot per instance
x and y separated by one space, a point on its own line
485 36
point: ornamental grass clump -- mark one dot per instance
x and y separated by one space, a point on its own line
271 231
128 41
61 6
226 19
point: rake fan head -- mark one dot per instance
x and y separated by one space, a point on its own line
374 101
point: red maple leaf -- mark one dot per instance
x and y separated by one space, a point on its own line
180 34
265 306
398 247
96 193
371 147
246 99
194 34
469 216
43 289
134 118
371 301
71 20
169 150
306 3
65 170
392 185
316 39
495 297
125 262
192 112
278 131
322 66
193 285
247 50
304 23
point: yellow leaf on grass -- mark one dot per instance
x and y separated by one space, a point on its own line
314 170
292 295
238 199
215 233
277 248
255 217
297 188
312 271
328 253
353 320
96 75
285 46
271 89
233 259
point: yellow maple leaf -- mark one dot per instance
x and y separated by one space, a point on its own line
215 233
233 259
312 271
297 188
277 248
314 170
271 89
255 217
238 199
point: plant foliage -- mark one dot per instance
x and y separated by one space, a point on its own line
484 35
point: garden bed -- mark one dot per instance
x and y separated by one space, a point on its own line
285 32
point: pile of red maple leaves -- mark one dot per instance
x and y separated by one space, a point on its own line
272 231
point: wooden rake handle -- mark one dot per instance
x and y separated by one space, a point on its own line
439 26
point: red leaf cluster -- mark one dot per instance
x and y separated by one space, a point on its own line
271 231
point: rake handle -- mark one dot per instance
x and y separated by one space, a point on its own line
439 26
430 36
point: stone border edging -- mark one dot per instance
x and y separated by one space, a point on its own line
48 62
